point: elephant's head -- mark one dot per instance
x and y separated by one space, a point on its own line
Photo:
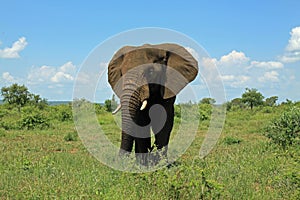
136 74
148 65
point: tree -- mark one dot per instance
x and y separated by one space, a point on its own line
271 101
252 98
19 96
16 95
238 103
207 101
287 102
37 101
107 105
110 104
235 103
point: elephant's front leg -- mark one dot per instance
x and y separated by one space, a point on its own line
162 133
126 143
143 138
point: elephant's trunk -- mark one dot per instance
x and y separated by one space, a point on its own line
130 103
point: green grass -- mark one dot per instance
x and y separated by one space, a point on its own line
52 163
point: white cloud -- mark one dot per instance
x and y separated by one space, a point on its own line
233 59
235 81
83 78
292 50
228 77
292 77
50 74
65 73
208 63
267 65
13 52
8 78
233 69
68 68
239 71
243 79
208 70
234 63
294 41
240 81
41 74
61 77
271 76
290 57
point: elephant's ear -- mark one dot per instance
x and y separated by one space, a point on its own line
182 69
115 70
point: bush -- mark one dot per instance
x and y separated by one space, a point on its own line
61 112
3 112
71 136
231 140
267 109
9 125
285 130
100 109
2 132
205 111
30 122
177 111
176 181
9 119
65 116
182 178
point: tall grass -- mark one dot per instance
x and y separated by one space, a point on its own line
45 164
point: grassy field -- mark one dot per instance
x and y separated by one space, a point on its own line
50 162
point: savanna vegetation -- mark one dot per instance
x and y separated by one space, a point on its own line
256 157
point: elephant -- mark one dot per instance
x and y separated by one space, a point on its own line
147 79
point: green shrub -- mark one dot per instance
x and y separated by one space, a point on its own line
189 110
65 116
177 111
30 122
205 111
267 109
186 111
61 113
9 123
6 126
174 182
71 136
3 112
285 130
297 104
2 132
26 165
231 140
99 109
182 178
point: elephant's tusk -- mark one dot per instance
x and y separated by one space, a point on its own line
117 109
144 105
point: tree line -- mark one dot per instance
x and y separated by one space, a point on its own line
19 96
252 98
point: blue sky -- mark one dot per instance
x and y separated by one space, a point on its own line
255 44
